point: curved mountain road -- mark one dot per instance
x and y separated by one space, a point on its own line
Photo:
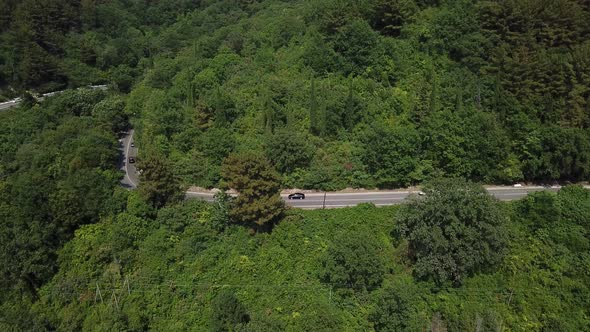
126 151
319 200
9 104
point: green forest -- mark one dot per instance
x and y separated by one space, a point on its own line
347 93
260 96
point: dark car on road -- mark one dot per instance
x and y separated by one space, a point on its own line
297 196
131 160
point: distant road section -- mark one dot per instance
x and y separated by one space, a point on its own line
9 104
131 178
12 103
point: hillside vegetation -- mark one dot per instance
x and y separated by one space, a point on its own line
80 253
263 95
375 93
523 267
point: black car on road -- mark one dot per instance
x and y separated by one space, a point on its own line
131 160
297 196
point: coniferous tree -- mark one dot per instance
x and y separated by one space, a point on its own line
228 312
391 15
314 111
259 204
268 115
191 94
157 183
459 102
268 121
432 105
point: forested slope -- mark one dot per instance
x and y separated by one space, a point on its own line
376 93
54 44
58 171
517 267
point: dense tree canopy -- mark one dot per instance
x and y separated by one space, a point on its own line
58 173
493 91
399 307
228 313
317 270
158 185
354 261
260 95
375 93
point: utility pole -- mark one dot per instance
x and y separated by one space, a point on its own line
127 283
116 301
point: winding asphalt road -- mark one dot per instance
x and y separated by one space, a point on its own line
313 200
319 200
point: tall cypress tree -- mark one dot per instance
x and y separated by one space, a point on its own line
268 120
432 104
315 112
459 102
350 108
191 94
268 112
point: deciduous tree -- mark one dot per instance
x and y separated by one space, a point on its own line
289 150
399 307
454 231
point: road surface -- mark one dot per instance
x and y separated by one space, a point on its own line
131 179
9 104
379 198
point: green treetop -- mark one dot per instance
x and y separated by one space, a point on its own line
454 231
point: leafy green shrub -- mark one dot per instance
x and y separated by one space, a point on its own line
354 261
228 312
